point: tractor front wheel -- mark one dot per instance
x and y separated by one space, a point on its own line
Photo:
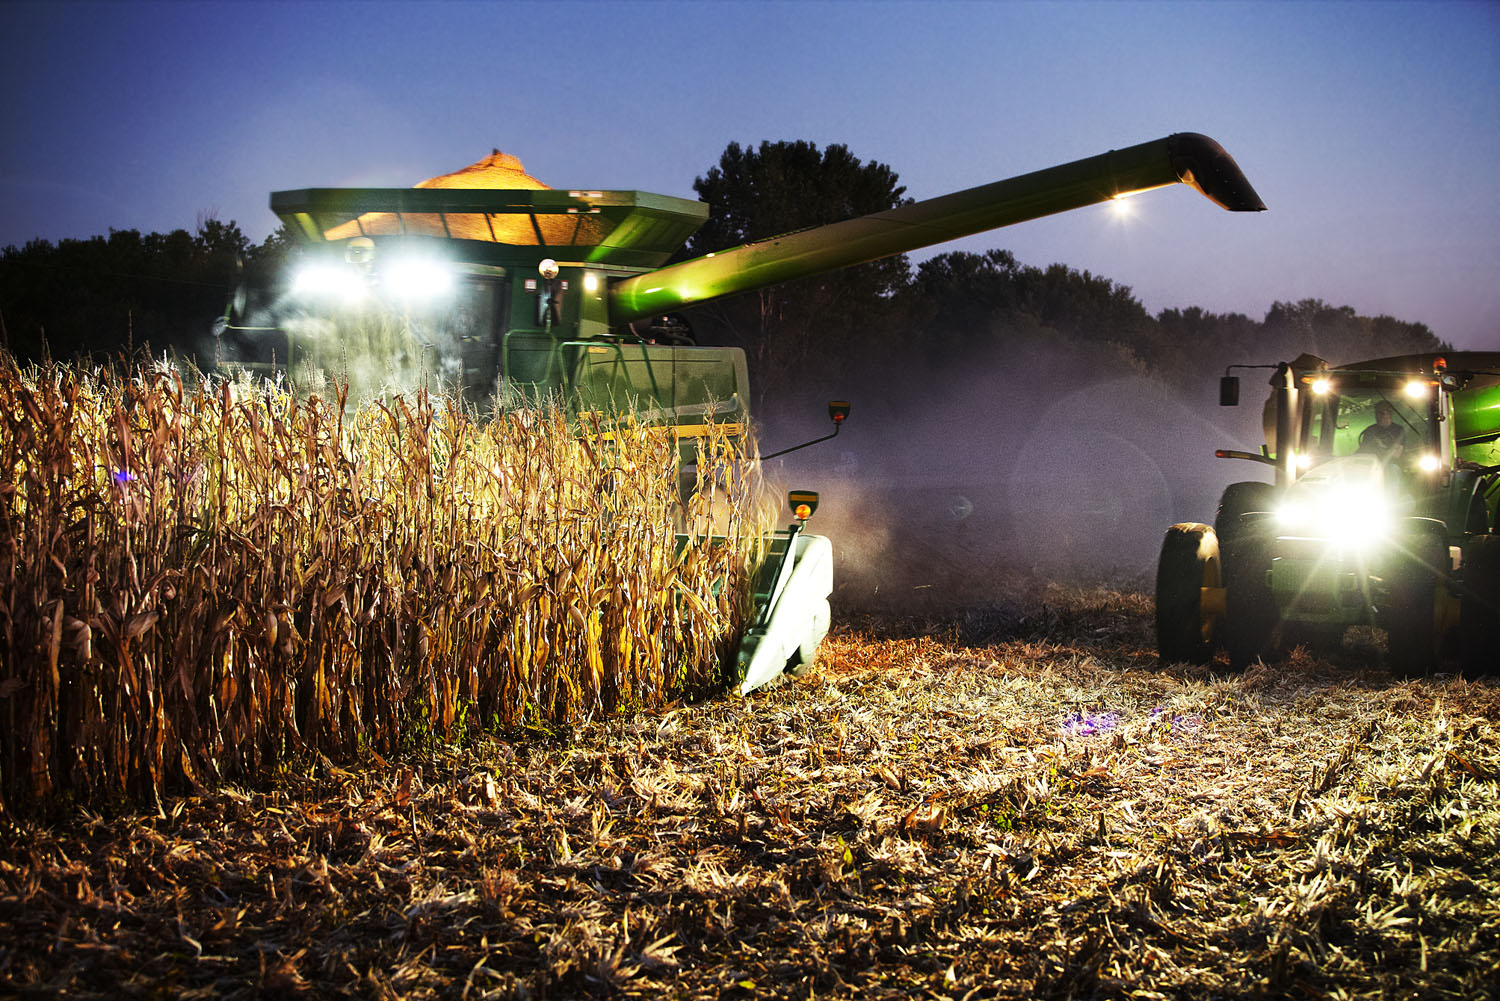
1251 621
1479 615
1410 620
1189 594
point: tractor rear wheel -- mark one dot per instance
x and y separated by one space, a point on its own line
1251 622
1479 615
1188 594
1410 620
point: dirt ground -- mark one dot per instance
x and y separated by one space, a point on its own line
1011 800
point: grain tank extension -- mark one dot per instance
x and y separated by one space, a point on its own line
564 294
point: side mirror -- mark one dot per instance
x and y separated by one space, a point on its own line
1229 391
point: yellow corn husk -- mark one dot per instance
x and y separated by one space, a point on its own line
207 579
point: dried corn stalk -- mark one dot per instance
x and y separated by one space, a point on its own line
205 582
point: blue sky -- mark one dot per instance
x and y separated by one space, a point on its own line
1371 130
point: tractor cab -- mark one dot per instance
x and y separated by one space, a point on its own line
1396 419
1390 424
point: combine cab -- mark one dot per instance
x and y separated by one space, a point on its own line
511 292
1382 513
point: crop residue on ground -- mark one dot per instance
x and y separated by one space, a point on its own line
1014 803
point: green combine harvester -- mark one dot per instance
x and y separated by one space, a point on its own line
566 295
1384 511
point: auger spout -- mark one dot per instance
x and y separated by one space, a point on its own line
1185 158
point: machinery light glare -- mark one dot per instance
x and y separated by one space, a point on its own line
417 278
1348 515
1416 390
1321 386
1429 463
324 280
591 282
1292 514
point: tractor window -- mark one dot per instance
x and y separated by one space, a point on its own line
1353 423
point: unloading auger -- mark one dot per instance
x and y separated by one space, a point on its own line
550 293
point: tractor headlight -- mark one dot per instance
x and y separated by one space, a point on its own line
1352 518
326 280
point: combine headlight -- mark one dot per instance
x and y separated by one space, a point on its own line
1321 386
1429 463
1416 389
417 278
324 280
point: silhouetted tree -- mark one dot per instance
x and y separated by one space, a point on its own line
1338 334
974 305
799 327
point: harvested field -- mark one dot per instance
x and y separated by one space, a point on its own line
1013 801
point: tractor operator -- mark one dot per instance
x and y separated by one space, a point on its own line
1384 439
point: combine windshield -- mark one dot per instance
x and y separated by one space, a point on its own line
378 344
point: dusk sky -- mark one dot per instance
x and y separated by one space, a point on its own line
1371 130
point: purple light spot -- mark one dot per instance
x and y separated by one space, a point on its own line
1177 723
1088 724
1187 722
123 476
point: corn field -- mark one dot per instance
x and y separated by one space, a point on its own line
209 580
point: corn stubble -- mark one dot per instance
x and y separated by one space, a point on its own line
206 582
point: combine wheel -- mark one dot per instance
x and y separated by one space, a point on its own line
1479 623
1410 620
1189 594
1251 623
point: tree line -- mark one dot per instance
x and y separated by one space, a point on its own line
94 299
97 297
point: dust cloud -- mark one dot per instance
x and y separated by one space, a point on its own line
952 488
371 351
946 487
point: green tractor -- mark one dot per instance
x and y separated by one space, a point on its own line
511 292
1382 512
